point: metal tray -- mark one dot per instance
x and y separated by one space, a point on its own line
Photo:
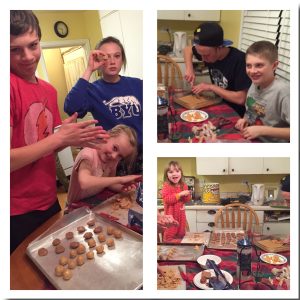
228 243
118 269
121 215
179 252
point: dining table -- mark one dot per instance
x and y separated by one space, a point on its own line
221 115
265 281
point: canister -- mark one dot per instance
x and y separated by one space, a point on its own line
211 193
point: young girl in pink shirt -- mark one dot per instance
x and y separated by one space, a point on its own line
95 169
175 193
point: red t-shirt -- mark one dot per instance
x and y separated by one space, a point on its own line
33 115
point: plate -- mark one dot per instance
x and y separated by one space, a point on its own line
194 115
204 286
202 260
273 258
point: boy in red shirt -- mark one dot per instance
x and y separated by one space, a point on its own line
33 115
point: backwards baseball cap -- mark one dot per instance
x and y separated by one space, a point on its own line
210 34
285 183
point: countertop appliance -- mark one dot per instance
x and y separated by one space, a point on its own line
179 43
258 194
190 181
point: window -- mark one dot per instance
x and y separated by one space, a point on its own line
270 25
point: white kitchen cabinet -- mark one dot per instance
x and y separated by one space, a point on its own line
245 165
276 165
189 15
202 15
212 165
127 26
276 228
191 219
242 165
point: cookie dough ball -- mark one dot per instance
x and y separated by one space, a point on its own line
74 245
63 260
110 242
69 235
80 260
81 249
98 229
59 249
117 233
81 229
88 235
72 263
73 253
59 270
110 230
91 223
56 242
67 274
42 252
91 243
90 254
101 237
100 249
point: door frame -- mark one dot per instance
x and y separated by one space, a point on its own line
84 43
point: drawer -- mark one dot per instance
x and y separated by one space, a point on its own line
204 227
276 228
206 215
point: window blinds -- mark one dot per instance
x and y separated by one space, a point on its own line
270 25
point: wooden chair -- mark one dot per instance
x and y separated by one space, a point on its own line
168 71
236 215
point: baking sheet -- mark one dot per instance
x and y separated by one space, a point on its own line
182 284
118 269
196 238
227 238
272 243
197 101
178 252
106 210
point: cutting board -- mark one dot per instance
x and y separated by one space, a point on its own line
182 283
197 101
272 246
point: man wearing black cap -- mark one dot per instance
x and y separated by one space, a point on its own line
227 67
285 189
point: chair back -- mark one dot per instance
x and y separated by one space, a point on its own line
168 71
236 215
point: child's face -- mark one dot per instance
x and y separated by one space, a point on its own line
260 70
115 149
174 174
114 62
25 53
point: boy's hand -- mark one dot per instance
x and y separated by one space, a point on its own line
80 134
252 132
190 76
241 124
197 89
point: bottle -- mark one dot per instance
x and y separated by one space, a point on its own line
243 268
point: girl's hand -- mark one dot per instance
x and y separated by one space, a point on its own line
166 221
184 193
80 134
129 182
97 59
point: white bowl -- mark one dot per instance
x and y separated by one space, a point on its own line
202 260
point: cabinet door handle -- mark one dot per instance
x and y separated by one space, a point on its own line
211 224
211 212
224 170
268 169
268 228
232 170
189 15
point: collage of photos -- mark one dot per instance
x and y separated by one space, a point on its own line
77 136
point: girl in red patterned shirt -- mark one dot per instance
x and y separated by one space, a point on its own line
175 193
